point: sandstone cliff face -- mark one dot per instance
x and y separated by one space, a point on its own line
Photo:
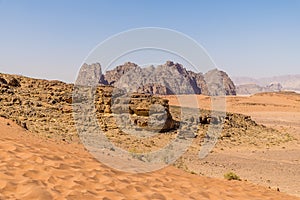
169 78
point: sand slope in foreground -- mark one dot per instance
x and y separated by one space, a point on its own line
35 168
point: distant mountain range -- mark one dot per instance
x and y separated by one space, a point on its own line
165 79
247 85
173 78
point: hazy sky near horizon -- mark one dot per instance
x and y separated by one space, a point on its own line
50 39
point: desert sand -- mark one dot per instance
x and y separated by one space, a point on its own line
276 166
32 167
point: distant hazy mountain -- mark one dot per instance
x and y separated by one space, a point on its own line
288 82
246 89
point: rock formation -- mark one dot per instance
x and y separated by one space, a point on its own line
114 75
43 106
134 111
154 88
48 108
169 78
219 83
90 75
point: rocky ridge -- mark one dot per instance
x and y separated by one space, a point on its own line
286 82
249 89
169 78
137 123
46 107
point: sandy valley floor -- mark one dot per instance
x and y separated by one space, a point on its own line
275 167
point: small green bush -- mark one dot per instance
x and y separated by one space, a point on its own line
231 176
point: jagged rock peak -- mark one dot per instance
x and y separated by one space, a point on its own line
169 78
179 67
90 75
169 63
125 67
219 83
112 76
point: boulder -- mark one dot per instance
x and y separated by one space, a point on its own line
2 81
14 82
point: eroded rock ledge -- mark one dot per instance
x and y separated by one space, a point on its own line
46 107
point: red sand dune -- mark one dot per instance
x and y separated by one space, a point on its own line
36 168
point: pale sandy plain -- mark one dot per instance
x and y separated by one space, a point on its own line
37 168
275 167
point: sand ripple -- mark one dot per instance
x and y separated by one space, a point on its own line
33 168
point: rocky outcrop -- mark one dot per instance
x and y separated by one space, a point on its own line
41 106
219 83
201 85
3 81
90 75
134 111
114 75
169 78
14 82
144 111
154 88
48 108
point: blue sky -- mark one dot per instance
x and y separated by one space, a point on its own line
50 39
